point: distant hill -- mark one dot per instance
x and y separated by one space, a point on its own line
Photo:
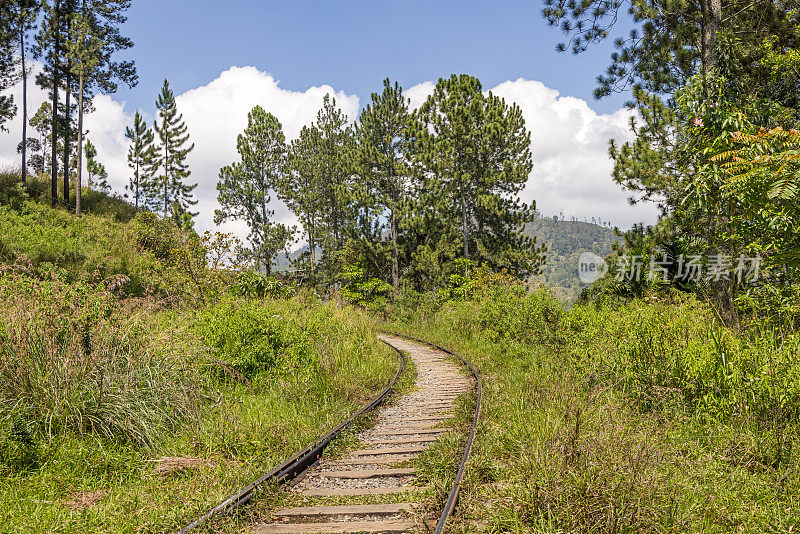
565 241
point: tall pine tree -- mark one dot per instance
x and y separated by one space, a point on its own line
334 167
18 19
244 187
475 152
300 187
93 39
382 151
320 186
141 157
172 151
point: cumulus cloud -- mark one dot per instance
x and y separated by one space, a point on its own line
417 94
216 113
571 164
571 168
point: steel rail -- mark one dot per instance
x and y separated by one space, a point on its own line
453 496
300 461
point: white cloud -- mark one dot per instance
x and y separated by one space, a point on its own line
214 113
571 165
418 93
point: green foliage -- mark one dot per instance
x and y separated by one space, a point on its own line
244 187
642 416
141 157
250 339
383 157
96 171
169 167
154 256
358 289
319 187
253 284
474 151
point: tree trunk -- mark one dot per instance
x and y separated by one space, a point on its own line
136 185
24 106
67 121
712 20
395 263
54 126
311 243
166 175
80 144
464 225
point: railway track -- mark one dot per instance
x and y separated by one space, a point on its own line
330 494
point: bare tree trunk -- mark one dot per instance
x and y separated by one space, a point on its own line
166 175
136 191
80 144
395 264
464 225
712 20
54 126
67 121
24 105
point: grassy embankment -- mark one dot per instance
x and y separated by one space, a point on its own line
136 391
642 416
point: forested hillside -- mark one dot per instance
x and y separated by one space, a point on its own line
565 240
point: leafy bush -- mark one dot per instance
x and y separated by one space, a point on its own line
249 338
358 289
252 284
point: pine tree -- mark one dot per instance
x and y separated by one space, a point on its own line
96 171
49 47
141 157
172 152
21 17
334 162
475 152
83 54
300 187
41 123
244 187
382 139
94 37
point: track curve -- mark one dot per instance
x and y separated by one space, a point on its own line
331 495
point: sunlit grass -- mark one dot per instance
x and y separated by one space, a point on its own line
242 429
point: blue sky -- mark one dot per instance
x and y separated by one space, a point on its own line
284 56
353 45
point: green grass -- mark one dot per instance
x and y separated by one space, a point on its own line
241 427
645 417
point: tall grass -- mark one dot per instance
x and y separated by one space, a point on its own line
645 416
75 361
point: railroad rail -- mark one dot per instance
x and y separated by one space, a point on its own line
402 432
299 461
456 488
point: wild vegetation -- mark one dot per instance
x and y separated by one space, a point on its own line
646 415
146 371
133 371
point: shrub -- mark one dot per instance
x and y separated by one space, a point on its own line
252 284
249 338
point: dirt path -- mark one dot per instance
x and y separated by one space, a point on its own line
403 430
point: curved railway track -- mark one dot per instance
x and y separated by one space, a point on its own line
330 492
